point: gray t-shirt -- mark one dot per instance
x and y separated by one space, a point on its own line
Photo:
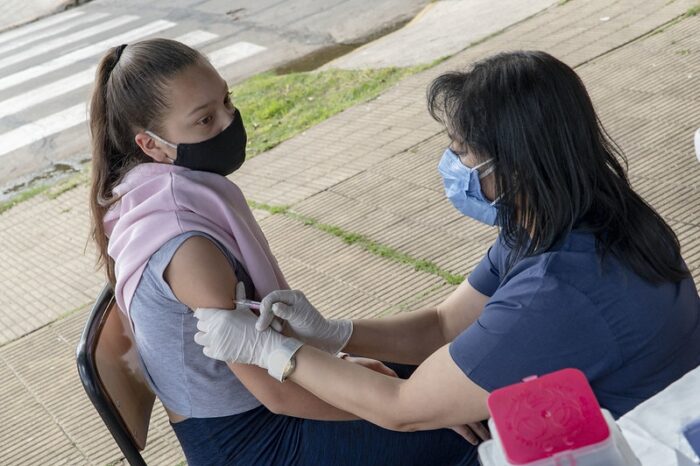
184 379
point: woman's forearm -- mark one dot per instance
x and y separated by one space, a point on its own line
406 338
297 402
286 398
371 396
438 394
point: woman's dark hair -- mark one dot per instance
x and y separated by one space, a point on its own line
130 95
556 168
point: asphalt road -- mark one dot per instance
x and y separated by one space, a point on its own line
47 67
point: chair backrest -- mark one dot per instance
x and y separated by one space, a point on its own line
111 374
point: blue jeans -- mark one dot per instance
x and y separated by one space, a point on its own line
259 437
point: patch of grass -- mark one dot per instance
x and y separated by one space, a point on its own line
352 238
23 196
51 188
693 11
277 209
683 52
275 108
115 462
66 185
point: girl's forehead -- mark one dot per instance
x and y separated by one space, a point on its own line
198 78
195 85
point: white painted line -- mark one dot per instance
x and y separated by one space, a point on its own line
234 53
197 37
60 42
51 32
52 124
81 54
38 130
75 81
42 94
39 25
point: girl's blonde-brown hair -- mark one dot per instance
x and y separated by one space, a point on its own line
130 95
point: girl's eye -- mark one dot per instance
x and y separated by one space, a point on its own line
205 121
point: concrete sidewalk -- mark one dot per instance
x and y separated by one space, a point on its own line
370 170
16 12
436 33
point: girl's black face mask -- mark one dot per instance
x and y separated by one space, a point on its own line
222 154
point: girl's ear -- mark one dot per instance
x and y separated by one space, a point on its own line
153 148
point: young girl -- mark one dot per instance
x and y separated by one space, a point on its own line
174 234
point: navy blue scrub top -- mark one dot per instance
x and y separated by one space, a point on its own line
563 308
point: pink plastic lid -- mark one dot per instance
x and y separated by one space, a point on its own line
543 416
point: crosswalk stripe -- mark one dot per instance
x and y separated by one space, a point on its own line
39 25
59 42
196 37
73 116
42 94
81 54
75 81
51 32
38 130
233 53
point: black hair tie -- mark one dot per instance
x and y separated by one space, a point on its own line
118 52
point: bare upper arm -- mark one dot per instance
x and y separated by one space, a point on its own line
200 275
460 309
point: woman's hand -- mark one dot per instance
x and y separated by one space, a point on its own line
305 321
472 432
229 335
372 364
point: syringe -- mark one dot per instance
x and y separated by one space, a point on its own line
255 305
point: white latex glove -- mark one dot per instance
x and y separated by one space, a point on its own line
330 335
229 335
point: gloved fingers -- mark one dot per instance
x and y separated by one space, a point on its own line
274 297
206 313
282 310
205 316
240 291
265 319
208 352
202 338
267 314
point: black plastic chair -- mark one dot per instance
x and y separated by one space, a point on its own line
109 369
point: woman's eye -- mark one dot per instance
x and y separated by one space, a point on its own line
205 121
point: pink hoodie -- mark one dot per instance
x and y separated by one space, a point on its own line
160 201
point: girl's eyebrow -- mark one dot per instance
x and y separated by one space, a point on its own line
199 108
203 106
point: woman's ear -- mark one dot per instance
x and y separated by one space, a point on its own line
154 149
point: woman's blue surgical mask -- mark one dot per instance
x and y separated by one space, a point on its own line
463 188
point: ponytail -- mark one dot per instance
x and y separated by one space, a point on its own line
129 96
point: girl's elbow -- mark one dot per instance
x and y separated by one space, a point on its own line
398 423
275 403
